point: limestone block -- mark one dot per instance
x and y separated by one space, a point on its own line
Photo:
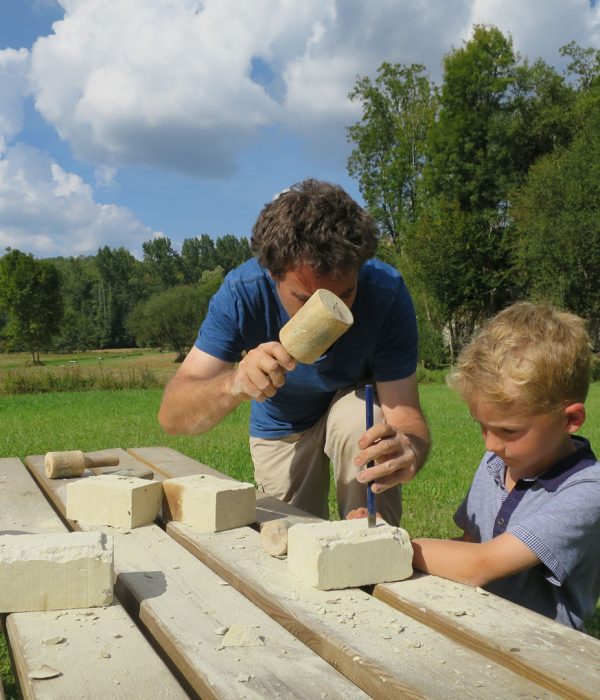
119 501
347 553
55 571
208 503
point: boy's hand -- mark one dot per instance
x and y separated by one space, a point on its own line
394 456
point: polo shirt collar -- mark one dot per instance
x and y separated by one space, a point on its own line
556 475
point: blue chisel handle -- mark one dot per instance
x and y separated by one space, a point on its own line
369 407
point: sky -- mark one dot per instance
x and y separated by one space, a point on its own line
123 120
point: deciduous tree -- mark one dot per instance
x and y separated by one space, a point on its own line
30 294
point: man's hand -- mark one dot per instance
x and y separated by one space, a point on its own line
261 372
394 456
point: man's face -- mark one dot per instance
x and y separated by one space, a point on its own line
296 286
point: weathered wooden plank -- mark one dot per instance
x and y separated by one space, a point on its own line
23 509
96 653
383 651
185 607
168 461
562 659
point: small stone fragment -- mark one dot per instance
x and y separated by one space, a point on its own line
43 673
242 636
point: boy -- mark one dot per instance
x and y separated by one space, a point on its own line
531 519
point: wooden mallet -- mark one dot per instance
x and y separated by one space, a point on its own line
65 465
307 336
316 326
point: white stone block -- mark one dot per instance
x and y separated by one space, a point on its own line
119 501
348 553
208 503
55 571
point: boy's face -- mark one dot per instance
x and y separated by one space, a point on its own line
529 443
296 286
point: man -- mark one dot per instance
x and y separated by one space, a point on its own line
311 236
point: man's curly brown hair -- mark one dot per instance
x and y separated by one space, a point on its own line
313 223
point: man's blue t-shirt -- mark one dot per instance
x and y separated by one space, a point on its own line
381 345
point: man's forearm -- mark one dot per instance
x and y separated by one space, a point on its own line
421 444
192 406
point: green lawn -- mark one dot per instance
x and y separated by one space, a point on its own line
93 420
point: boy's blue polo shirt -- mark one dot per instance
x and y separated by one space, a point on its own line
557 515
381 344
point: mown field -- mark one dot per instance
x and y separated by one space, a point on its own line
94 419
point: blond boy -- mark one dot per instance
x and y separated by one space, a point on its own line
531 519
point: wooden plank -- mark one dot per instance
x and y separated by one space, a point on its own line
169 461
563 660
380 649
23 509
559 658
96 653
184 606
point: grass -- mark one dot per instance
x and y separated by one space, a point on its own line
123 369
95 419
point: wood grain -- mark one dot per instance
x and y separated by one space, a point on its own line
131 664
553 655
181 604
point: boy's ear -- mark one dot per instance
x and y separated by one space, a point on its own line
575 415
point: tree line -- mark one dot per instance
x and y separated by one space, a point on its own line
485 189
112 299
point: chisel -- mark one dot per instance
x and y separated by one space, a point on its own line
370 494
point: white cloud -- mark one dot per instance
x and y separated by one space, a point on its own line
540 27
193 85
13 68
170 83
47 211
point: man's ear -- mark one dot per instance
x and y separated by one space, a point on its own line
575 415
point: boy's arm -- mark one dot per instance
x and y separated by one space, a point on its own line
474 563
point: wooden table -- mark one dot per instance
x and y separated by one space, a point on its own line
421 638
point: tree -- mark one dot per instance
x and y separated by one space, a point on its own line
557 218
30 294
197 256
162 263
584 65
169 320
497 116
398 108
120 286
231 252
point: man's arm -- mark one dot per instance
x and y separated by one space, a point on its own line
400 445
205 389
471 562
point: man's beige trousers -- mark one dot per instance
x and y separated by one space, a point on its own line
296 468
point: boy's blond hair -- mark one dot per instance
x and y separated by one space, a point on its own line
531 355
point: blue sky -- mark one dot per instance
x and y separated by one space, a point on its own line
121 120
